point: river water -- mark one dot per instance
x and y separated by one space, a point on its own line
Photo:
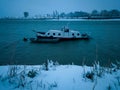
103 47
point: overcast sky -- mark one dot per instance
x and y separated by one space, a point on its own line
35 7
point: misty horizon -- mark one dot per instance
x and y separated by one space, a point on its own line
16 8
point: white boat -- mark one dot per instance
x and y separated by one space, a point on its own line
59 35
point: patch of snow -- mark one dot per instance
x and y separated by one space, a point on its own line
58 77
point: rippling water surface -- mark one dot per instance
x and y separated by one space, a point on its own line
104 45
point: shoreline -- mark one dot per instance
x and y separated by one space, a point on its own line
117 19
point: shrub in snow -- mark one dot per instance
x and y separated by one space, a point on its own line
46 65
12 71
40 84
90 75
52 85
32 73
114 67
49 64
98 70
109 87
52 65
43 85
21 80
118 79
118 64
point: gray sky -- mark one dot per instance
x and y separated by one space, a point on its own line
35 7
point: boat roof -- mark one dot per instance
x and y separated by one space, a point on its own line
74 31
54 31
61 31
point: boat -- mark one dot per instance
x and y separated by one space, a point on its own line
59 35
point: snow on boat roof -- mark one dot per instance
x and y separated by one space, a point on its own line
74 31
54 31
61 31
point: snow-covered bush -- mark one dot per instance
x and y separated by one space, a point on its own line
118 79
109 87
21 80
118 64
95 71
98 70
32 73
90 75
49 65
52 85
12 71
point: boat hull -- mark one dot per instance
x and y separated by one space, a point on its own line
54 40
81 38
44 40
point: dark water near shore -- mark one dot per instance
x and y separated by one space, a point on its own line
105 41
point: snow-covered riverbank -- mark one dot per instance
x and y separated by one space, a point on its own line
59 77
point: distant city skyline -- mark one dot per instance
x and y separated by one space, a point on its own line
15 8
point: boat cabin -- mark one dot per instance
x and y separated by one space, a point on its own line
63 33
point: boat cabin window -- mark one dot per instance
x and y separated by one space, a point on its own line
59 34
73 34
78 34
48 33
53 33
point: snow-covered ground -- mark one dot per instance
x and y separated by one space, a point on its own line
59 77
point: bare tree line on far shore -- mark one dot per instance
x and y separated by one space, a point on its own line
95 14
